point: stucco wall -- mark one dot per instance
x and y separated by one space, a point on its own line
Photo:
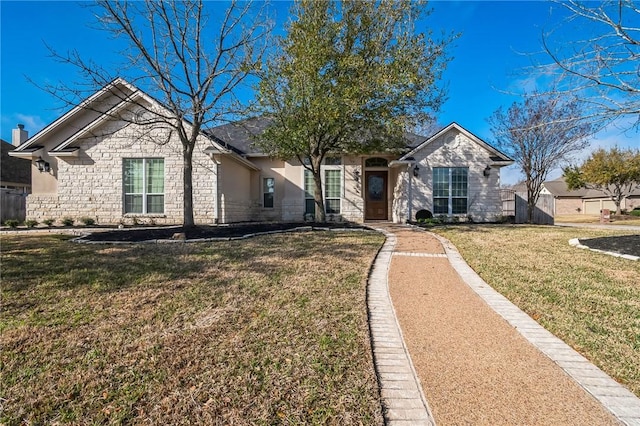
452 149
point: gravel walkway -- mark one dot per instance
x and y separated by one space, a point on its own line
475 367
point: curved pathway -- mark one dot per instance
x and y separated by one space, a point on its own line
479 358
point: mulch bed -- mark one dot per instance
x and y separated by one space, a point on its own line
625 244
208 232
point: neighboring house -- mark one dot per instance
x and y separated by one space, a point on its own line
93 165
15 173
585 201
15 179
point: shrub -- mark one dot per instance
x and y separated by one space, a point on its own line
31 223
88 221
68 221
49 222
11 223
635 212
423 214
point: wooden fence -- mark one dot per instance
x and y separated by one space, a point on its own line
515 204
13 205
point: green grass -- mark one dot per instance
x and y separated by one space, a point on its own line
589 300
271 330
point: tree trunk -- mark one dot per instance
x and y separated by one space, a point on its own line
187 172
318 197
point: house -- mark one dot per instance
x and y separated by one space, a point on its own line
15 179
585 201
89 164
15 173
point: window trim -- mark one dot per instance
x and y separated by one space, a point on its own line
450 191
265 192
323 174
144 194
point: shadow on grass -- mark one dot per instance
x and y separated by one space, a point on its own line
57 263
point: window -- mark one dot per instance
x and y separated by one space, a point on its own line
268 189
450 190
309 191
332 191
143 185
376 162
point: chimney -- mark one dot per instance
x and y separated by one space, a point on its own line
19 135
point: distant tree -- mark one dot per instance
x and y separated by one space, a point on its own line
540 134
190 61
603 67
350 77
615 172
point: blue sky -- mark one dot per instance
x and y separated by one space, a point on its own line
489 58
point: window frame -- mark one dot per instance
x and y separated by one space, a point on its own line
146 183
451 190
334 164
265 192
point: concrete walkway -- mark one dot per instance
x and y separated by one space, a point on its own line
404 401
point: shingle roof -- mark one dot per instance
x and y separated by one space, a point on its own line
558 187
240 136
12 169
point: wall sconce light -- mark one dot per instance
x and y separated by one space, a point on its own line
416 171
487 171
356 175
43 166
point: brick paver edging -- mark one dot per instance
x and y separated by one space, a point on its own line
400 389
621 402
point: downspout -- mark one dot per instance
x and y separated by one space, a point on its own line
216 204
410 192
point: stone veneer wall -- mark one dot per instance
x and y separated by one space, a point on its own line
453 149
91 185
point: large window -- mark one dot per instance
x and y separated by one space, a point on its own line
143 185
332 183
268 189
450 190
332 191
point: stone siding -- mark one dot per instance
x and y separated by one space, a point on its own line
91 185
453 149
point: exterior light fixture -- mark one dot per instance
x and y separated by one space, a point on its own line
487 171
416 171
43 166
356 175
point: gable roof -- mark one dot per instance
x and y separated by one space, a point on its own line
123 94
498 158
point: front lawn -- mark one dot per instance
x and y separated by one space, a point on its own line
589 300
270 330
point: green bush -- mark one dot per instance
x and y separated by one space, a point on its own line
68 221
49 222
31 223
635 212
88 221
11 223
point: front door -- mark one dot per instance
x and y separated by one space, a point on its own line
375 195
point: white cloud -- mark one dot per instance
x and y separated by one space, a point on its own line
32 123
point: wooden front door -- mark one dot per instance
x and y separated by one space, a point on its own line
375 201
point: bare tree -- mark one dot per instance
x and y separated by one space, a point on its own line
604 68
540 134
191 62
